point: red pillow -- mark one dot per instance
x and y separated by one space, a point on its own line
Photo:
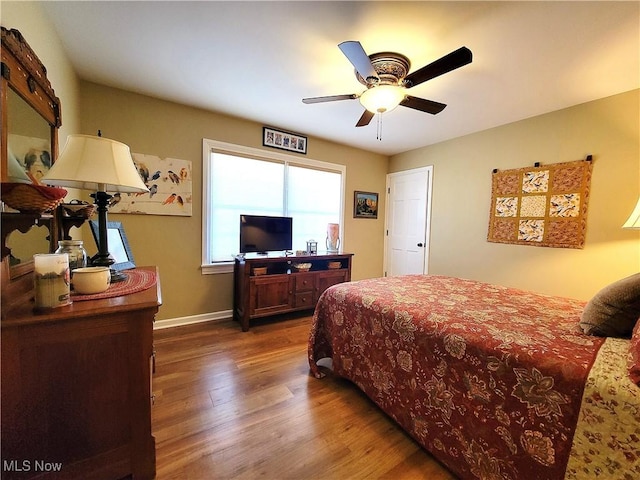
634 355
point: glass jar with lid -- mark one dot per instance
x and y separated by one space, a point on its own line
75 250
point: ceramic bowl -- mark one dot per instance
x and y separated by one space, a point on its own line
90 280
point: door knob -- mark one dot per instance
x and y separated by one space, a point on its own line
420 244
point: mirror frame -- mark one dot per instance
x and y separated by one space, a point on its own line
23 72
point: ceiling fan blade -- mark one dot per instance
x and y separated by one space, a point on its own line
453 60
330 98
428 106
365 119
358 57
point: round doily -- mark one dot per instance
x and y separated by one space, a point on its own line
136 281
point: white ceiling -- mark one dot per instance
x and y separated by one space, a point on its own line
257 60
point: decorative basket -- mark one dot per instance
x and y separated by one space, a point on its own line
259 270
30 198
78 209
334 265
302 267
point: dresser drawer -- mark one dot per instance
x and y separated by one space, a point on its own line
305 299
305 282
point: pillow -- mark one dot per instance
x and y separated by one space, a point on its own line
614 310
634 355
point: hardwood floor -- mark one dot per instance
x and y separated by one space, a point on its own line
234 405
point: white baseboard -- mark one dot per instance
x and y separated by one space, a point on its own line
204 317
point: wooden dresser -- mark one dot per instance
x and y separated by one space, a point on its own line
270 285
76 389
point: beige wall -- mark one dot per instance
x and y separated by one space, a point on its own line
35 27
607 128
165 129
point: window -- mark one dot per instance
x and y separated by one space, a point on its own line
243 180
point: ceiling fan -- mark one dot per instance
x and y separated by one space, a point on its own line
387 78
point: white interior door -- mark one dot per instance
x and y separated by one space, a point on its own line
407 222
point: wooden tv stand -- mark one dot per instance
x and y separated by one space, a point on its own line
282 288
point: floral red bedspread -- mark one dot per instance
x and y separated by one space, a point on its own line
489 379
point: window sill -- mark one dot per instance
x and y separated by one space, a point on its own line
215 268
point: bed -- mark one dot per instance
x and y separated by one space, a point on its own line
495 382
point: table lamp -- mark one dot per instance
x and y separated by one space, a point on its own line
634 219
96 163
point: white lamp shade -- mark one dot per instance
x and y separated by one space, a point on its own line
634 220
95 163
382 98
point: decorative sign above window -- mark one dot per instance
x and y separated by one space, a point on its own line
544 206
293 142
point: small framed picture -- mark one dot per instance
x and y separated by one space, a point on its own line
118 244
365 205
284 140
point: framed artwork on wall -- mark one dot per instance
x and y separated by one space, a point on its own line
365 205
170 188
292 142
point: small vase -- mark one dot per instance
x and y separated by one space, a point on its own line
333 238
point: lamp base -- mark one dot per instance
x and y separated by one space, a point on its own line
106 261
103 258
118 276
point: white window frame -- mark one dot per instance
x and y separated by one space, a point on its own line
209 146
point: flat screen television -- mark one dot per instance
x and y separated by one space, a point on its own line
262 234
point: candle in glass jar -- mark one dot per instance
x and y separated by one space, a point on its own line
51 280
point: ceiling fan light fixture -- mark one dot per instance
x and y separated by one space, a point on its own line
382 98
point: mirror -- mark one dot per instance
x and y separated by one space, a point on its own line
29 158
28 141
30 122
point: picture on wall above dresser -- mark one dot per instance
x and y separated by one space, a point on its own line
169 181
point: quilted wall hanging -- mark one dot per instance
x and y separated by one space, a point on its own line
544 206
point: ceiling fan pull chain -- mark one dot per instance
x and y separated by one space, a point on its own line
379 131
